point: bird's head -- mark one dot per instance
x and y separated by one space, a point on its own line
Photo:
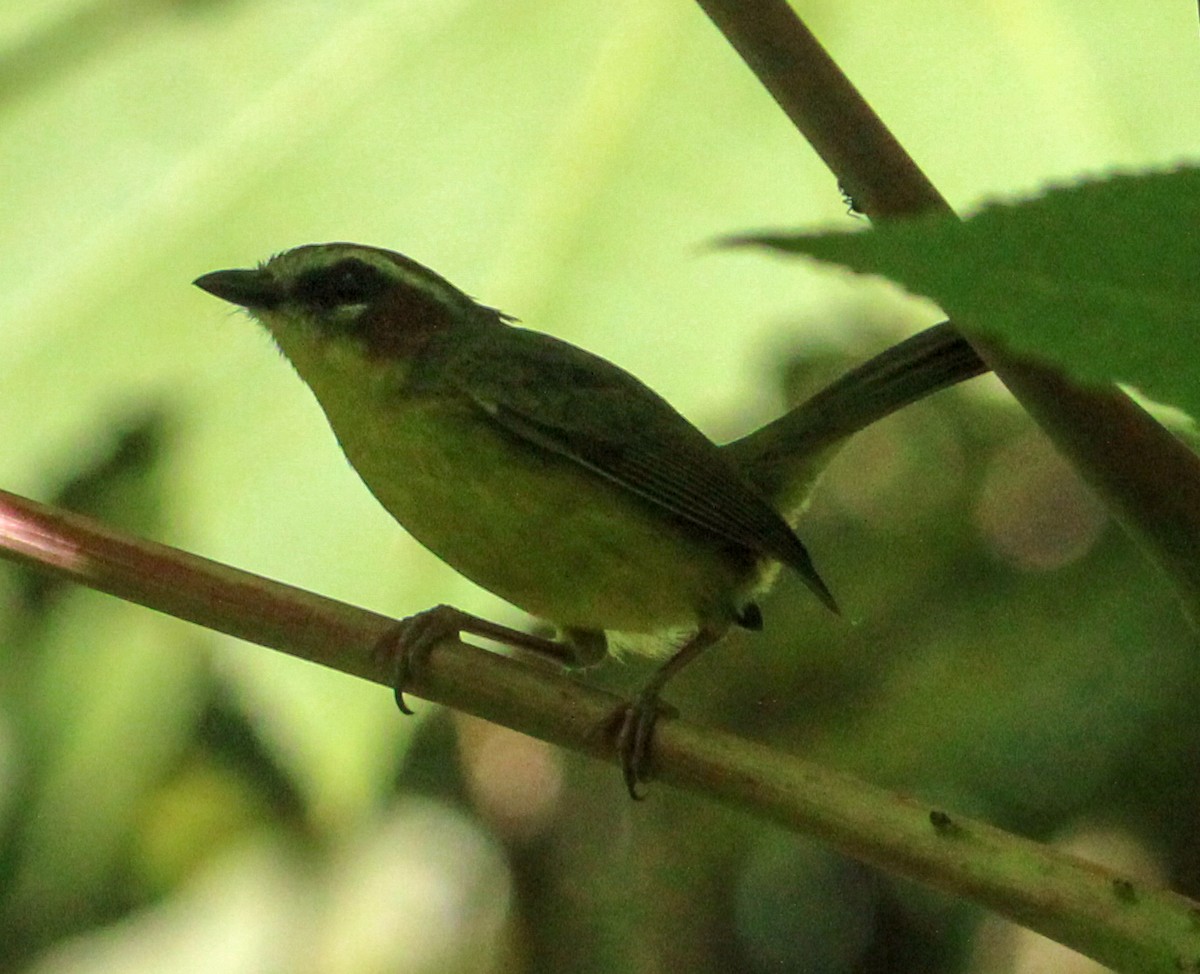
381 303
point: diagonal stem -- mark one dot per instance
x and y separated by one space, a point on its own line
1147 477
825 107
1142 929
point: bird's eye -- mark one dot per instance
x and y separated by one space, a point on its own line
349 281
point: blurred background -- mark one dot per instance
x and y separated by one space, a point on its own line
171 800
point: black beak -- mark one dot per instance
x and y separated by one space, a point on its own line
251 289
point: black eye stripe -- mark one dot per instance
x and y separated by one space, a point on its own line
349 281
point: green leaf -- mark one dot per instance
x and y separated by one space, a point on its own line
1101 279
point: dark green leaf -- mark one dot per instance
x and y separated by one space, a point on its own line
1101 279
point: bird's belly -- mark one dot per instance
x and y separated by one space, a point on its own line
552 537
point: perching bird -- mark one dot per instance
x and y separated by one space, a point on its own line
550 476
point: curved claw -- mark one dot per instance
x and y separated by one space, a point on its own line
635 734
635 738
407 644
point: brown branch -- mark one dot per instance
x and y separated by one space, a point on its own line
1144 930
825 107
1148 478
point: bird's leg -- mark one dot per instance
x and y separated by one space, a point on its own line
406 646
635 733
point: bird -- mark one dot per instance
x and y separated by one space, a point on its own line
552 477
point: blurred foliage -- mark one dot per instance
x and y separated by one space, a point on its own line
172 801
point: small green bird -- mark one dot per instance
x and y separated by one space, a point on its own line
550 476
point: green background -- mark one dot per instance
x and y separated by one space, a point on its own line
174 801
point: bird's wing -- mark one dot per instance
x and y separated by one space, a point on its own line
583 408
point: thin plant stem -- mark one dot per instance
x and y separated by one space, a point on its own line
1147 477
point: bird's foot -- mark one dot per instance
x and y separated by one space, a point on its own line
406 646
635 723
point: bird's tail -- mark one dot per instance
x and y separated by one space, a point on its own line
785 457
